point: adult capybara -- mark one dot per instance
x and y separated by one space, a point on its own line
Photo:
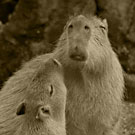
93 77
32 102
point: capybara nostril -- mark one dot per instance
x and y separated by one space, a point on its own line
76 48
87 28
43 112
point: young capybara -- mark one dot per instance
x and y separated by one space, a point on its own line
93 77
32 102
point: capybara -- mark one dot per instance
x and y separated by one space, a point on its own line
93 77
32 101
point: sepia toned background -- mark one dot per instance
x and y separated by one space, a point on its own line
32 27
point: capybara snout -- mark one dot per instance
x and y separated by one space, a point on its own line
78 54
78 48
79 32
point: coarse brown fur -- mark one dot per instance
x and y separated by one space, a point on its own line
32 101
93 76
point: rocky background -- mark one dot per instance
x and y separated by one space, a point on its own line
32 27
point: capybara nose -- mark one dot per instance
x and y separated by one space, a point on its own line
43 112
78 53
78 57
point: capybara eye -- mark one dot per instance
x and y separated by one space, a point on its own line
51 89
86 27
70 26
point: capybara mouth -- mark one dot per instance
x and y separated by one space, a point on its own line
77 57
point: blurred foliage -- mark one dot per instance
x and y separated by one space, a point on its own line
32 27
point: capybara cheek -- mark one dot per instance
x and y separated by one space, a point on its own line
43 112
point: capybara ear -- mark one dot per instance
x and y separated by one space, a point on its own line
21 109
56 62
43 112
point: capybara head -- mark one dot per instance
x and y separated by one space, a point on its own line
43 110
78 33
86 41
